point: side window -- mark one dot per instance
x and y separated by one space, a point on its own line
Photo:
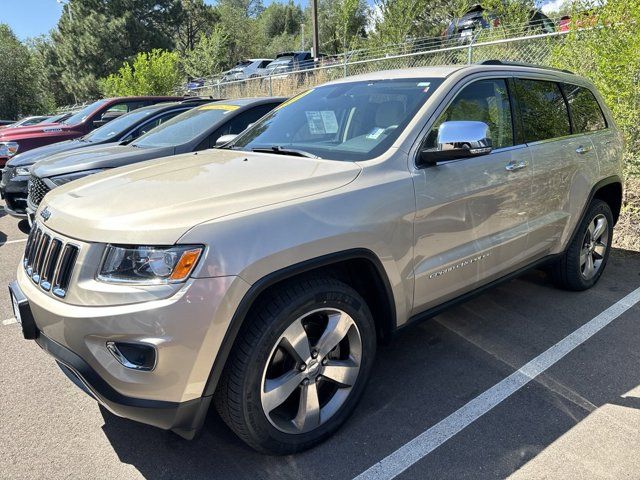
117 109
237 124
150 125
544 111
585 111
483 101
242 121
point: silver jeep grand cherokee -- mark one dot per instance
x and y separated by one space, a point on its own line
262 276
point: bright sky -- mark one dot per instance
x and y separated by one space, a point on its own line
30 18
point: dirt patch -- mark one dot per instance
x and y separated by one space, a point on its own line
627 232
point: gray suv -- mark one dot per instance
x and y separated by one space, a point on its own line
260 277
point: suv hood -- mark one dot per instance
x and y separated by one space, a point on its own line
32 156
157 202
98 156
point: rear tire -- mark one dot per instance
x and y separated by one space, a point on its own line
299 366
585 259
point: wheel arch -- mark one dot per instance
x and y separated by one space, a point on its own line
611 193
606 189
374 287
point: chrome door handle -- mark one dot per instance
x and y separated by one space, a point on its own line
582 150
512 166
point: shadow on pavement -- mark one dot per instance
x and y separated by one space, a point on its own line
23 226
431 370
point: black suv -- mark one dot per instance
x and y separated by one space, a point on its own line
198 129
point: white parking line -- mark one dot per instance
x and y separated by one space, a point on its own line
9 321
430 439
13 241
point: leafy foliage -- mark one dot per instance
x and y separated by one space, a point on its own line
94 37
196 19
208 56
399 20
607 53
154 73
23 89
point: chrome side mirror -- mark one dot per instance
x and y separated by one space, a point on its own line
458 139
224 139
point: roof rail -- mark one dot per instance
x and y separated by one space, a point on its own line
521 64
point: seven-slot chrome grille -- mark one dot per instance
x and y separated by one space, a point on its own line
49 261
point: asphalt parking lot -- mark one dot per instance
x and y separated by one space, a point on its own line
441 383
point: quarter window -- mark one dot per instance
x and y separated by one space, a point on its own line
544 111
484 101
585 111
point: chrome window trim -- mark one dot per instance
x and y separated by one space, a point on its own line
450 96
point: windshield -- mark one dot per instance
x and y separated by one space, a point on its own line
186 126
54 119
80 116
280 61
119 125
348 121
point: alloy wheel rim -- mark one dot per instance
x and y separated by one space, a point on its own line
594 247
311 370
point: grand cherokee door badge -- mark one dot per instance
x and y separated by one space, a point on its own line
462 264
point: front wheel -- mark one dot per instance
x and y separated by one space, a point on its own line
299 366
586 257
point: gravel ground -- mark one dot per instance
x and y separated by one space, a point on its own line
627 233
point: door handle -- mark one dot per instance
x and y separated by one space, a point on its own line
582 150
513 166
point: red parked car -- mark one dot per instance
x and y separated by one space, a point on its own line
18 140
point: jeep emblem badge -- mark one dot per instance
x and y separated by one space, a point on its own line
45 214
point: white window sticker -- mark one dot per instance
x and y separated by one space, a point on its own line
330 121
375 133
322 122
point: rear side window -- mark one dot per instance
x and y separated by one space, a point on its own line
585 111
544 111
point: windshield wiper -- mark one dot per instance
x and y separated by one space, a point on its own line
285 151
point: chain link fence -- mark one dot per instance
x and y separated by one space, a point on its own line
531 48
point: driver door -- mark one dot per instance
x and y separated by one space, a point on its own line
472 214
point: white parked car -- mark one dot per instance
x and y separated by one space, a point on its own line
246 69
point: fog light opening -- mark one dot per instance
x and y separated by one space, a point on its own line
136 356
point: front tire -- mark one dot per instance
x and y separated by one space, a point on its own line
583 262
299 366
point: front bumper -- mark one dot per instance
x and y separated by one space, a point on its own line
185 418
186 329
14 192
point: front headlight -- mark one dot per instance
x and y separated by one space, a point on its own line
23 171
8 149
70 177
148 265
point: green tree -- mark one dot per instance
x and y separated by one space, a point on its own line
607 53
196 18
46 57
154 73
23 87
340 22
94 37
242 32
514 16
249 8
279 18
209 56
399 20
